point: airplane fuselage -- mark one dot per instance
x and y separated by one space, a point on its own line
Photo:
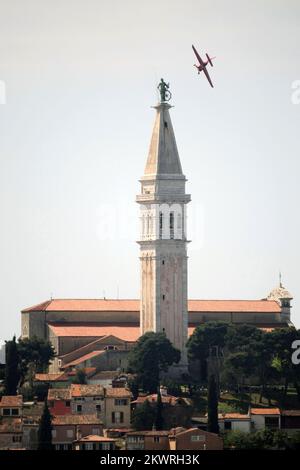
201 67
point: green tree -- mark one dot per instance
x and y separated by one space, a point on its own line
143 417
281 342
159 420
80 377
153 354
45 430
212 406
35 355
203 339
12 373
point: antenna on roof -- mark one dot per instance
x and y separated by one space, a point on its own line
117 291
104 298
280 279
51 295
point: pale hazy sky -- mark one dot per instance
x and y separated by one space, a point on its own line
80 81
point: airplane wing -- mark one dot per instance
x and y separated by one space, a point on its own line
207 76
198 56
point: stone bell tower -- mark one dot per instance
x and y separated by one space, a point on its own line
163 242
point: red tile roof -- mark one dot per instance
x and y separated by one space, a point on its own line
83 358
59 394
78 390
113 305
63 420
123 331
11 400
166 399
96 438
237 416
10 425
118 392
265 411
290 412
50 377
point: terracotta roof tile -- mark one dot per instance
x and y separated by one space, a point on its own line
96 438
78 390
11 400
85 305
166 399
83 358
50 377
59 394
148 433
290 412
238 416
69 419
265 411
10 425
123 331
118 392
133 305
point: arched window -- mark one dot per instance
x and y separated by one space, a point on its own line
179 225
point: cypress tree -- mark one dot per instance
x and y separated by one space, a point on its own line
212 406
12 373
45 430
159 421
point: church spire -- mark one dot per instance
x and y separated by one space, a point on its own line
163 157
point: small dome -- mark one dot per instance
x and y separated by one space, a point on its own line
279 293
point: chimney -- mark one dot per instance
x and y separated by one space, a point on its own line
78 433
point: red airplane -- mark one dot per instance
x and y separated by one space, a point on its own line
202 65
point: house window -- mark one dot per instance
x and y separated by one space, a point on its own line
98 408
53 433
271 422
156 439
135 439
6 411
285 303
96 431
105 445
89 446
79 408
17 438
68 403
15 412
117 417
198 438
227 425
70 433
120 402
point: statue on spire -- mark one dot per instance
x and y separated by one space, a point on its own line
165 94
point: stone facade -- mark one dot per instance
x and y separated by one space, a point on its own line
163 240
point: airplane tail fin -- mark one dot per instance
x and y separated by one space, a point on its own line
210 59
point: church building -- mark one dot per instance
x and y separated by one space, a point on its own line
100 332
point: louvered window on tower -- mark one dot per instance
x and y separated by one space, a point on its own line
171 225
160 224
